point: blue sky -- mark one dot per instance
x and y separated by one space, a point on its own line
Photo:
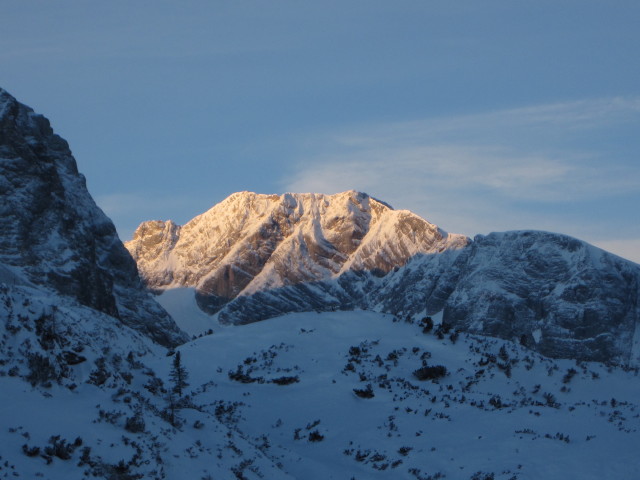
479 116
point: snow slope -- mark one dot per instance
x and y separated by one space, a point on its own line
277 399
74 383
501 410
180 304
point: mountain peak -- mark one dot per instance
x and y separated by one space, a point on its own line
252 242
292 199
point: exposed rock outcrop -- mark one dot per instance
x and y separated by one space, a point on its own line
54 236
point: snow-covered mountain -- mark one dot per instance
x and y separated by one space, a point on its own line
558 295
254 257
88 389
252 243
53 234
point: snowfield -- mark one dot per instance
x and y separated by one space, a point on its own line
325 396
506 413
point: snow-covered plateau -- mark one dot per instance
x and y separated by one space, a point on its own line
388 348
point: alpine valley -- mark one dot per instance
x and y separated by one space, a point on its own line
300 336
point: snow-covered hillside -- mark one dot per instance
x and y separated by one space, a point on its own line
318 396
335 395
83 396
559 295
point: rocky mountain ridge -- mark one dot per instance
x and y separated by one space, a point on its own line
253 257
252 243
556 294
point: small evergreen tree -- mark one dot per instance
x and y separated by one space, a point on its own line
178 375
170 412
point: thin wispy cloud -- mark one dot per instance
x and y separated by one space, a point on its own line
501 170
517 124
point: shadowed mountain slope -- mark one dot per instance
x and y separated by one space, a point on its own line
54 236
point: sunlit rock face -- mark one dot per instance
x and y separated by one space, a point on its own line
251 243
53 235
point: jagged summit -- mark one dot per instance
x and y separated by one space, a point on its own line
54 236
252 242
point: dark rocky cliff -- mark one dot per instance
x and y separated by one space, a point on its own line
53 235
